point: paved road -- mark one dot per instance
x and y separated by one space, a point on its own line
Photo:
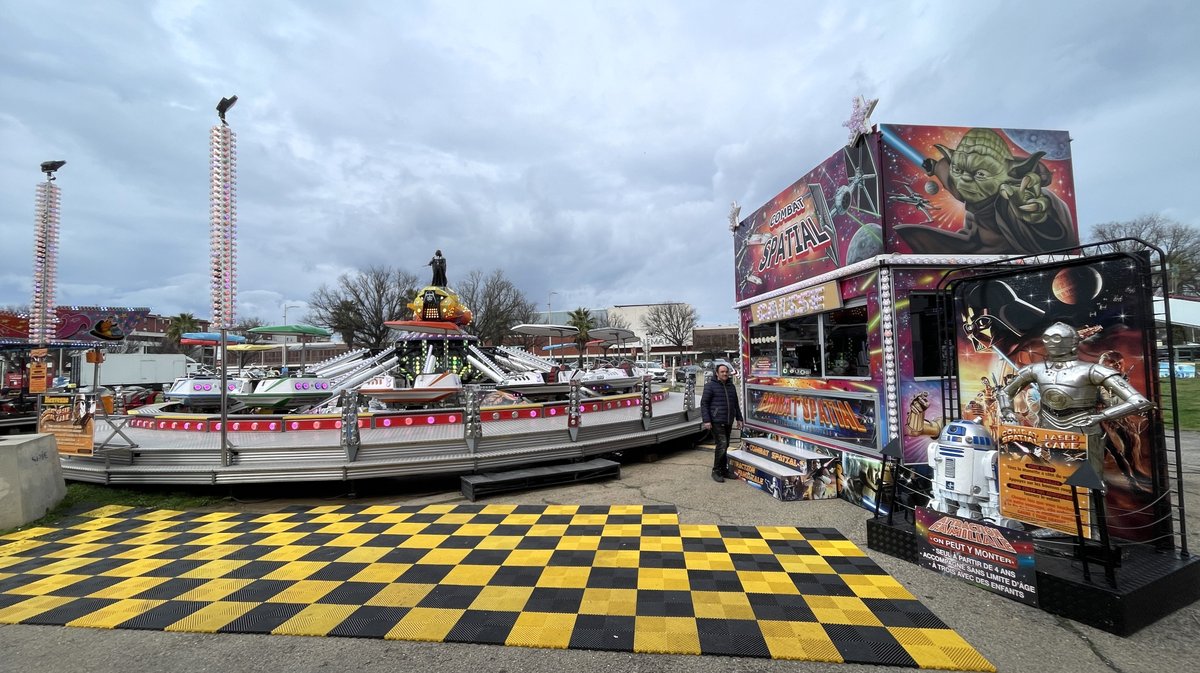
1013 636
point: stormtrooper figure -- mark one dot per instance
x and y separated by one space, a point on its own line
965 482
1070 392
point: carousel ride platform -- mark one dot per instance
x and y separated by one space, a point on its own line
186 449
1149 584
619 578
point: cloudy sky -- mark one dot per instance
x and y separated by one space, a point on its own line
590 149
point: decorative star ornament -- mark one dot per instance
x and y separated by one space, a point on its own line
859 122
735 212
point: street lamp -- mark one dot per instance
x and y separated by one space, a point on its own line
550 339
285 340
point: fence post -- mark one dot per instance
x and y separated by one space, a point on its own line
351 441
472 426
573 414
647 403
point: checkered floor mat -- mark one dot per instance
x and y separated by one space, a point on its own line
628 578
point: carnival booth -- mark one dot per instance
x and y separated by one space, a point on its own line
836 279
895 302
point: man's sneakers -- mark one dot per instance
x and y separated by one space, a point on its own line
717 477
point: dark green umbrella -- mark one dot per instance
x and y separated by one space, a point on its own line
301 331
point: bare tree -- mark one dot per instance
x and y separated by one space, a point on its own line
526 341
672 322
609 319
496 305
358 304
1178 241
243 328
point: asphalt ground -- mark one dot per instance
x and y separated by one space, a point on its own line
1012 636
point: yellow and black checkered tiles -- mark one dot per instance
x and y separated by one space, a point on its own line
629 578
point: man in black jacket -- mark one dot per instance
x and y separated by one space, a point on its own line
721 413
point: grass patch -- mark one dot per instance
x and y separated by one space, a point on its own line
84 497
1187 402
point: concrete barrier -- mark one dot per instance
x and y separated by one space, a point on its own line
31 478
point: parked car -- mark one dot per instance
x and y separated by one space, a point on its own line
132 397
681 373
657 372
711 365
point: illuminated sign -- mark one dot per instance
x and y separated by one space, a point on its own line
829 419
823 297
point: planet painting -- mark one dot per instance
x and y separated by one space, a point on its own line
1076 284
1056 144
866 243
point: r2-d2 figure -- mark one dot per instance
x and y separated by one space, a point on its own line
965 483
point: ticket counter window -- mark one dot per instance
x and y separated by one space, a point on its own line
764 350
845 343
800 346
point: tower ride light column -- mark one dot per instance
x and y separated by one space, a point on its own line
43 321
222 147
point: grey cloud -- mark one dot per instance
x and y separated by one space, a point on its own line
587 150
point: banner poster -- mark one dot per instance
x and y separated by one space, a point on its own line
998 559
828 219
38 371
861 481
13 326
816 479
1000 319
1034 465
781 487
70 419
932 208
81 323
923 418
848 421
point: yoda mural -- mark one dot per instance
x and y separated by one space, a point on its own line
1008 203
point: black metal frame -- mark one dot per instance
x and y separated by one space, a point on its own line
1155 579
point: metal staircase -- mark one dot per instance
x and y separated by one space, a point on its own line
535 362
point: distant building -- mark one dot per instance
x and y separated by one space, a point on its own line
721 339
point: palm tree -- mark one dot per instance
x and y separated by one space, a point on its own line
582 320
177 327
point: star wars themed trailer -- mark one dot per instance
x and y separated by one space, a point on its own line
924 290
836 277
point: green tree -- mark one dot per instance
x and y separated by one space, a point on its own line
176 328
582 320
